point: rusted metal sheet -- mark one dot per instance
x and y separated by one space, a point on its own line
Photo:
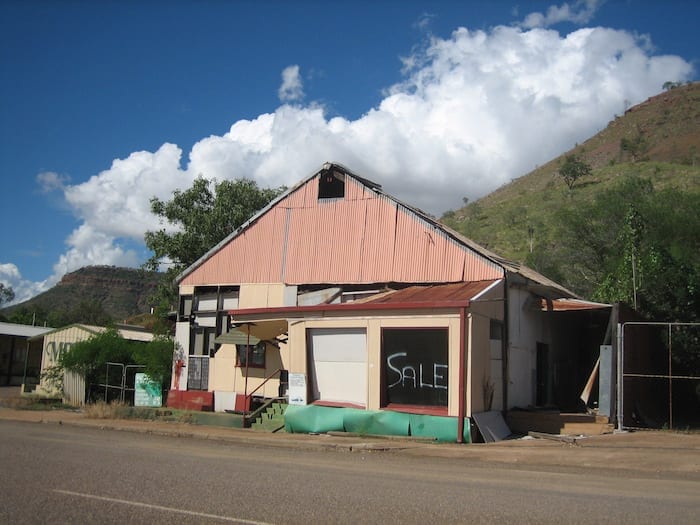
570 305
436 294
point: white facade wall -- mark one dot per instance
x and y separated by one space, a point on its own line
526 328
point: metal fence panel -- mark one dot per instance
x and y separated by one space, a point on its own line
659 375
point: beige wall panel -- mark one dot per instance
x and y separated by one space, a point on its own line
225 375
374 364
453 364
276 294
264 295
222 369
297 347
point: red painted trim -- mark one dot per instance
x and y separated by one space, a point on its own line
337 404
461 410
417 409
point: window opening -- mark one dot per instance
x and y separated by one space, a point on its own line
331 185
185 307
256 354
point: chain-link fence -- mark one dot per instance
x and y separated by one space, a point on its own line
659 375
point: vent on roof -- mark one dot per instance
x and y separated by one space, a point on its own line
331 184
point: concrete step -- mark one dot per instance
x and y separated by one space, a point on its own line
271 419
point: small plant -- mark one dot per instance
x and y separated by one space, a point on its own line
52 379
102 410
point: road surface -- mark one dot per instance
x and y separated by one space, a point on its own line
67 474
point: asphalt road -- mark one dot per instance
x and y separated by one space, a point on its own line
67 474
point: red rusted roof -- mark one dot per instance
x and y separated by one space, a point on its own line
434 294
453 295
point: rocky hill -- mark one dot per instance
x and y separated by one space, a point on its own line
116 294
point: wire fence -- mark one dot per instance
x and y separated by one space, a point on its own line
118 383
659 375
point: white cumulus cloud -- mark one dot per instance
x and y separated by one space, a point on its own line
90 246
579 12
24 289
474 110
292 88
49 181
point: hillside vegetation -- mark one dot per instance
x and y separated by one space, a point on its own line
644 160
94 294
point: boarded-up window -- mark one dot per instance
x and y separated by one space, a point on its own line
198 373
414 362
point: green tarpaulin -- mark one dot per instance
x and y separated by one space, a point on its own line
377 423
319 419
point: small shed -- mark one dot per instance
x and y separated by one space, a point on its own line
60 340
20 353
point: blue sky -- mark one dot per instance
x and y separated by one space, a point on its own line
106 104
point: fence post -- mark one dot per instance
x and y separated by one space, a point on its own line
620 375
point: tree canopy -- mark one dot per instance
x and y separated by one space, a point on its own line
637 245
573 169
7 294
202 215
89 311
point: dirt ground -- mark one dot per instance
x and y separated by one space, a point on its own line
648 453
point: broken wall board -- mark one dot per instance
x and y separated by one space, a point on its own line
492 426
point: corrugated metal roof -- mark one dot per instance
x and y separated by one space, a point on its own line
447 296
23 330
433 294
124 331
236 337
366 237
